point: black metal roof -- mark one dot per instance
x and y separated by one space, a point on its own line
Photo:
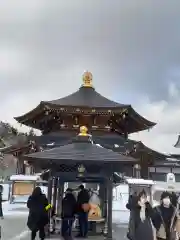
80 151
112 141
86 97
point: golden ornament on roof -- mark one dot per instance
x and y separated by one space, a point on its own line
87 79
83 131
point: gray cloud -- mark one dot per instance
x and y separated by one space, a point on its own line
131 46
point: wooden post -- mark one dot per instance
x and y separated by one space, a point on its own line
105 201
60 197
109 212
55 185
102 197
50 181
20 165
144 162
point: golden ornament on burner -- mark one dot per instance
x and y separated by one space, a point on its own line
83 131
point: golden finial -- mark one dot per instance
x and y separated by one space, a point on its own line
83 131
87 79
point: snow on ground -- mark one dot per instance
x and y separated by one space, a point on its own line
120 217
120 198
15 209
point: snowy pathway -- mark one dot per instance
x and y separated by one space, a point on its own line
14 224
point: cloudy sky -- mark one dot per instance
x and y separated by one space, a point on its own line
132 47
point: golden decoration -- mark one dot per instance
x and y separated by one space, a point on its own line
87 79
83 131
95 212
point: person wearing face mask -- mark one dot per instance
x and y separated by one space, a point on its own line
140 225
164 218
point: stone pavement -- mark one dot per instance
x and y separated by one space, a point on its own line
12 226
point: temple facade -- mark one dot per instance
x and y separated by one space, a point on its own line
107 121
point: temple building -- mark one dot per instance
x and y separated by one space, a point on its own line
85 107
107 121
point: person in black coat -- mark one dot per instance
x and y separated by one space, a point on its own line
133 198
140 226
165 217
82 198
68 214
38 215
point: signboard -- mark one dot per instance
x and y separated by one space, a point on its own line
23 188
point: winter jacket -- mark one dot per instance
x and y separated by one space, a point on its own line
38 215
83 197
68 206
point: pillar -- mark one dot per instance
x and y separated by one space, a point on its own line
109 209
50 185
55 185
102 197
137 171
144 166
20 165
105 201
59 196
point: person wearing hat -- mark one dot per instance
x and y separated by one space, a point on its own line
68 213
164 218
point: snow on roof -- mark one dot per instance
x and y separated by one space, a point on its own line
98 145
24 178
139 181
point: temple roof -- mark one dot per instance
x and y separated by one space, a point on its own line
80 150
177 145
110 140
86 97
87 101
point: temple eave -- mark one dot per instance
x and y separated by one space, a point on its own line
177 144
